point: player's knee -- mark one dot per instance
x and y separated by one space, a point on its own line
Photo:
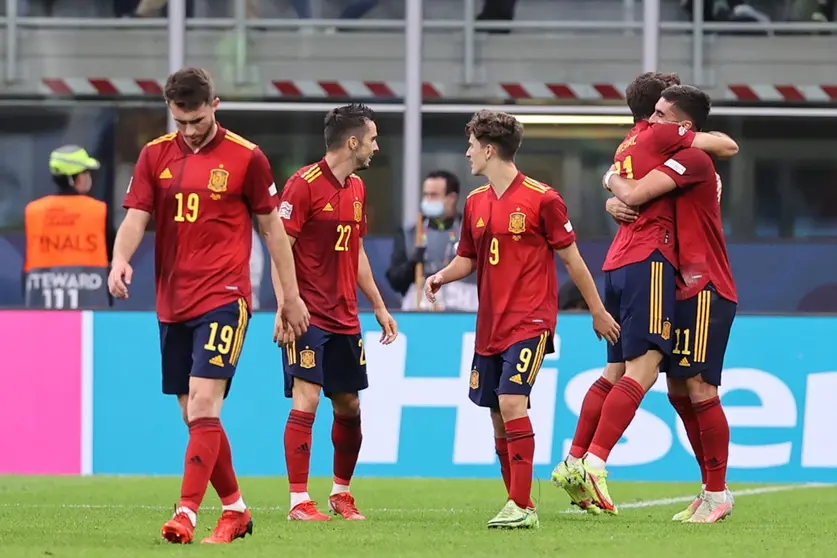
346 404
677 387
203 405
614 371
306 396
513 406
644 369
699 390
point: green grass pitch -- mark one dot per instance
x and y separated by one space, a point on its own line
115 517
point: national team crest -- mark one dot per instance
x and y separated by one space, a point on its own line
475 379
666 335
218 180
517 222
358 211
306 359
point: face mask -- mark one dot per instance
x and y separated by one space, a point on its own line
432 209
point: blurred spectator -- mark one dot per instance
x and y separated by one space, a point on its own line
148 8
824 10
730 10
497 10
425 248
68 241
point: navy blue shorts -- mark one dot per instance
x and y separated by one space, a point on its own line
641 297
335 361
511 372
702 327
208 346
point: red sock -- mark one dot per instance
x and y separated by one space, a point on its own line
501 446
714 435
346 436
201 455
683 406
588 420
617 413
298 449
521 443
223 476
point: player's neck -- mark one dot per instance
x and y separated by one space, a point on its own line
501 177
341 167
209 137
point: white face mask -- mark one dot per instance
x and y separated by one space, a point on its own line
432 209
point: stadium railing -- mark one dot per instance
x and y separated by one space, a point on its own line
651 26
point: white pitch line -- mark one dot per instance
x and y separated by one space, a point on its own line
628 505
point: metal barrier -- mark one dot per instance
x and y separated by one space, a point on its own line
651 26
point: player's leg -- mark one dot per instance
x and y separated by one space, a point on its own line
520 367
648 306
212 342
344 376
176 353
713 322
678 396
482 391
303 370
215 340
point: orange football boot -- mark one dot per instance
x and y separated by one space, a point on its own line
343 504
232 525
178 529
307 511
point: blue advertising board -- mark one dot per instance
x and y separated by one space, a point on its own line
779 388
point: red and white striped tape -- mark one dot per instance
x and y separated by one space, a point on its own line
348 89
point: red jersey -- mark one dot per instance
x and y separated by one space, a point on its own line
700 232
202 204
512 239
328 219
645 148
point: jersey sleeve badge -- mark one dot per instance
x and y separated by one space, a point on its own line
285 210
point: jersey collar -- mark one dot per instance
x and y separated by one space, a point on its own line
330 175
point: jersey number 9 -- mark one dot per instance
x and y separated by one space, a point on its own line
494 252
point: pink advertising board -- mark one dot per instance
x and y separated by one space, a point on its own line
41 392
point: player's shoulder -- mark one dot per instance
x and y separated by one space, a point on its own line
161 142
477 193
539 192
693 155
233 139
357 181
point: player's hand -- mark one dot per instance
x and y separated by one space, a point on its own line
432 286
119 278
296 316
389 329
621 212
605 326
279 328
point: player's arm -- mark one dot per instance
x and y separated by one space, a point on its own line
561 238
638 192
715 143
260 191
463 262
139 203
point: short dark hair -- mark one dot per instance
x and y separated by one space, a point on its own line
344 122
189 88
500 129
644 92
451 181
691 101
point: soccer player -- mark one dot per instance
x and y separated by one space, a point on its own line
324 208
201 183
706 294
640 290
510 230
